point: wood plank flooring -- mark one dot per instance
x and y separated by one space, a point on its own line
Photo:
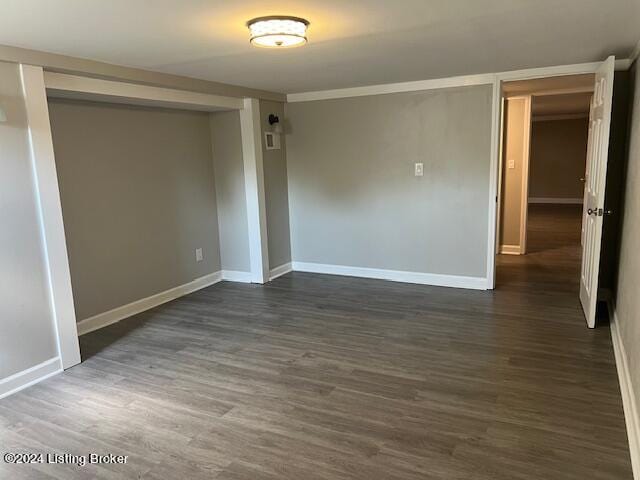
326 377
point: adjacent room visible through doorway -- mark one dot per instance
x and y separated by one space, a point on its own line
545 143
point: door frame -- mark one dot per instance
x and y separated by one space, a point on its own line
526 159
496 135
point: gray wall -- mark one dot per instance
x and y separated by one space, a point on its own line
627 300
558 158
276 190
354 199
230 191
27 335
138 198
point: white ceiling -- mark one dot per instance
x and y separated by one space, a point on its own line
570 104
351 42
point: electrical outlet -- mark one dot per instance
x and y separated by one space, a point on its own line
419 170
512 164
199 256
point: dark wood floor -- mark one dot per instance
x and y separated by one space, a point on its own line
326 377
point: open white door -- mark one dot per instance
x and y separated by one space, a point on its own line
595 181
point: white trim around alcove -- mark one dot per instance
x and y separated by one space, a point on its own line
36 85
62 85
54 246
250 127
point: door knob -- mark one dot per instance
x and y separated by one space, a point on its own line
592 211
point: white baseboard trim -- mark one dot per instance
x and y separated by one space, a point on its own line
30 376
510 250
120 313
280 270
456 281
556 201
626 389
236 276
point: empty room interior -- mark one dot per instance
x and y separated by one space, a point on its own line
320 240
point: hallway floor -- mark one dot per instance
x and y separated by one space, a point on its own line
553 250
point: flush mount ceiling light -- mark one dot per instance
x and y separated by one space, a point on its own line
278 31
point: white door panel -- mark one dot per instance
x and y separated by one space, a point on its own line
595 181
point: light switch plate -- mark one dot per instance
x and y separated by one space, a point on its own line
272 140
199 256
419 170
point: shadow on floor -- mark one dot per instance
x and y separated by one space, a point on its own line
94 342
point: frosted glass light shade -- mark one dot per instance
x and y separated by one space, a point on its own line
278 31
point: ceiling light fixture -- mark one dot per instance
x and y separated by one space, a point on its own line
278 31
